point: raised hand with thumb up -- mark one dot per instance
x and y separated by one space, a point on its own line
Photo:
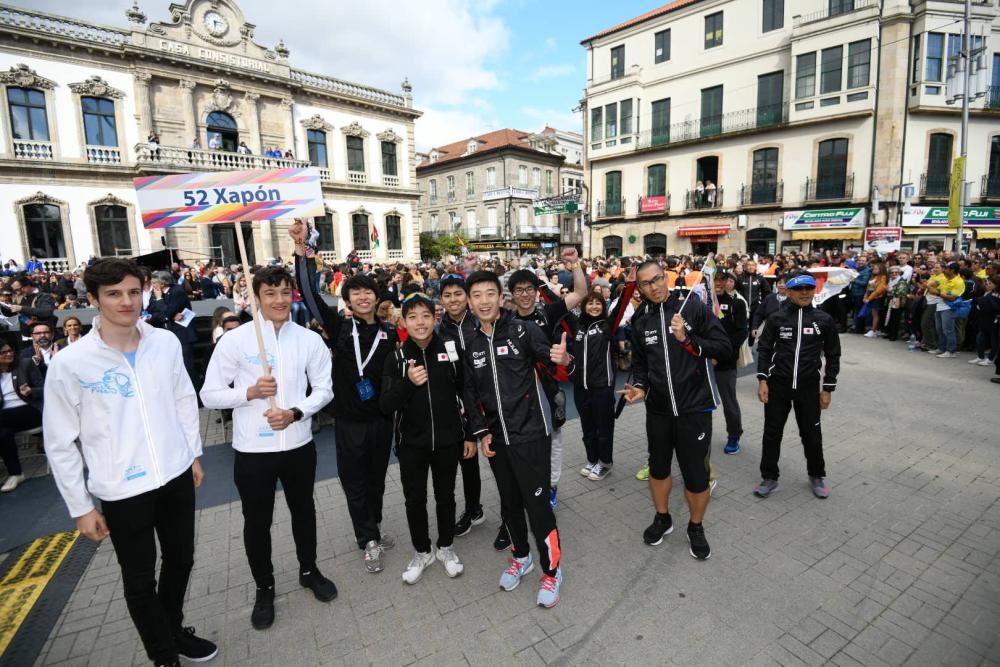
558 354
417 374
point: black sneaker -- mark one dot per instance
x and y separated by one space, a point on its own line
322 588
502 543
192 647
662 525
263 609
699 545
469 519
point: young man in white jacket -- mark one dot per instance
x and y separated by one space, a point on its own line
122 391
274 443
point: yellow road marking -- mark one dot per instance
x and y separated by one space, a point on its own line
23 585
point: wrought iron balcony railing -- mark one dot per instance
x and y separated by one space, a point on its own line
830 188
755 118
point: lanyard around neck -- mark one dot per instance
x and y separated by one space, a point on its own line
357 349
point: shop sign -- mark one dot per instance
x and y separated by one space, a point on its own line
829 218
937 217
883 240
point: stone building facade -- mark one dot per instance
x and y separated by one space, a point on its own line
88 108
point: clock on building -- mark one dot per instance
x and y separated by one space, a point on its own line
216 23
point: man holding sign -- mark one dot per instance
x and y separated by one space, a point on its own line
272 432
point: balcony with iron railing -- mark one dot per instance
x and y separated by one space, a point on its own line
829 189
611 209
757 194
992 97
990 188
709 127
703 199
934 186
834 8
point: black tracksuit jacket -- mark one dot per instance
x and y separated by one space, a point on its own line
733 316
800 348
503 395
753 287
678 378
339 338
459 332
429 416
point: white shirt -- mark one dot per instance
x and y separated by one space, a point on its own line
10 397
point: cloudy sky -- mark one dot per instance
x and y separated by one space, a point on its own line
475 65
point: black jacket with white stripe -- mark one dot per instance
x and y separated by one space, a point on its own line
799 347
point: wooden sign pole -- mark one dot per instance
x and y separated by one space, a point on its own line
253 306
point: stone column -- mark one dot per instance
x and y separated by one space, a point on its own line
253 121
143 110
186 89
266 248
287 104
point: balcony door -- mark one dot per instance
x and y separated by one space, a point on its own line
939 157
223 134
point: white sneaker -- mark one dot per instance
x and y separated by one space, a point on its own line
418 564
947 355
934 351
452 565
585 470
974 360
984 362
12 483
599 472
870 334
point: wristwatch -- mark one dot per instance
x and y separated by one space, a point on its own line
297 415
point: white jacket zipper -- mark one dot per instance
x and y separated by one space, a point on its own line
145 420
798 345
666 357
430 402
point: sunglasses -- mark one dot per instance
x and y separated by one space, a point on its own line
453 276
802 288
416 295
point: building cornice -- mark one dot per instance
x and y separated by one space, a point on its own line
556 159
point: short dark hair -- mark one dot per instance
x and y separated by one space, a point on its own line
358 282
272 276
483 277
22 278
648 263
43 323
110 271
523 276
229 318
417 299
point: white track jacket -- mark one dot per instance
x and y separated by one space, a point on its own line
299 359
138 427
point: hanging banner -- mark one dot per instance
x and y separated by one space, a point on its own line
229 196
936 217
883 240
955 192
830 218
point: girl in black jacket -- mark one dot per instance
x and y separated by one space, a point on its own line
594 377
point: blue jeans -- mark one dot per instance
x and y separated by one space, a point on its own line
945 324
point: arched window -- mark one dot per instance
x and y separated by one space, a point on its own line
28 119
324 225
762 241
939 158
612 246
113 236
99 125
393 233
764 188
359 229
43 227
317 148
223 134
654 245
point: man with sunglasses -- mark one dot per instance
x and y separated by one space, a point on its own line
526 287
456 327
798 359
674 341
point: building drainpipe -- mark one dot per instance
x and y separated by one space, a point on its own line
878 80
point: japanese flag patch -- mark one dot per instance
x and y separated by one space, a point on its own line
502 350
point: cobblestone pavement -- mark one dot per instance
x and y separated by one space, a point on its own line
899 567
